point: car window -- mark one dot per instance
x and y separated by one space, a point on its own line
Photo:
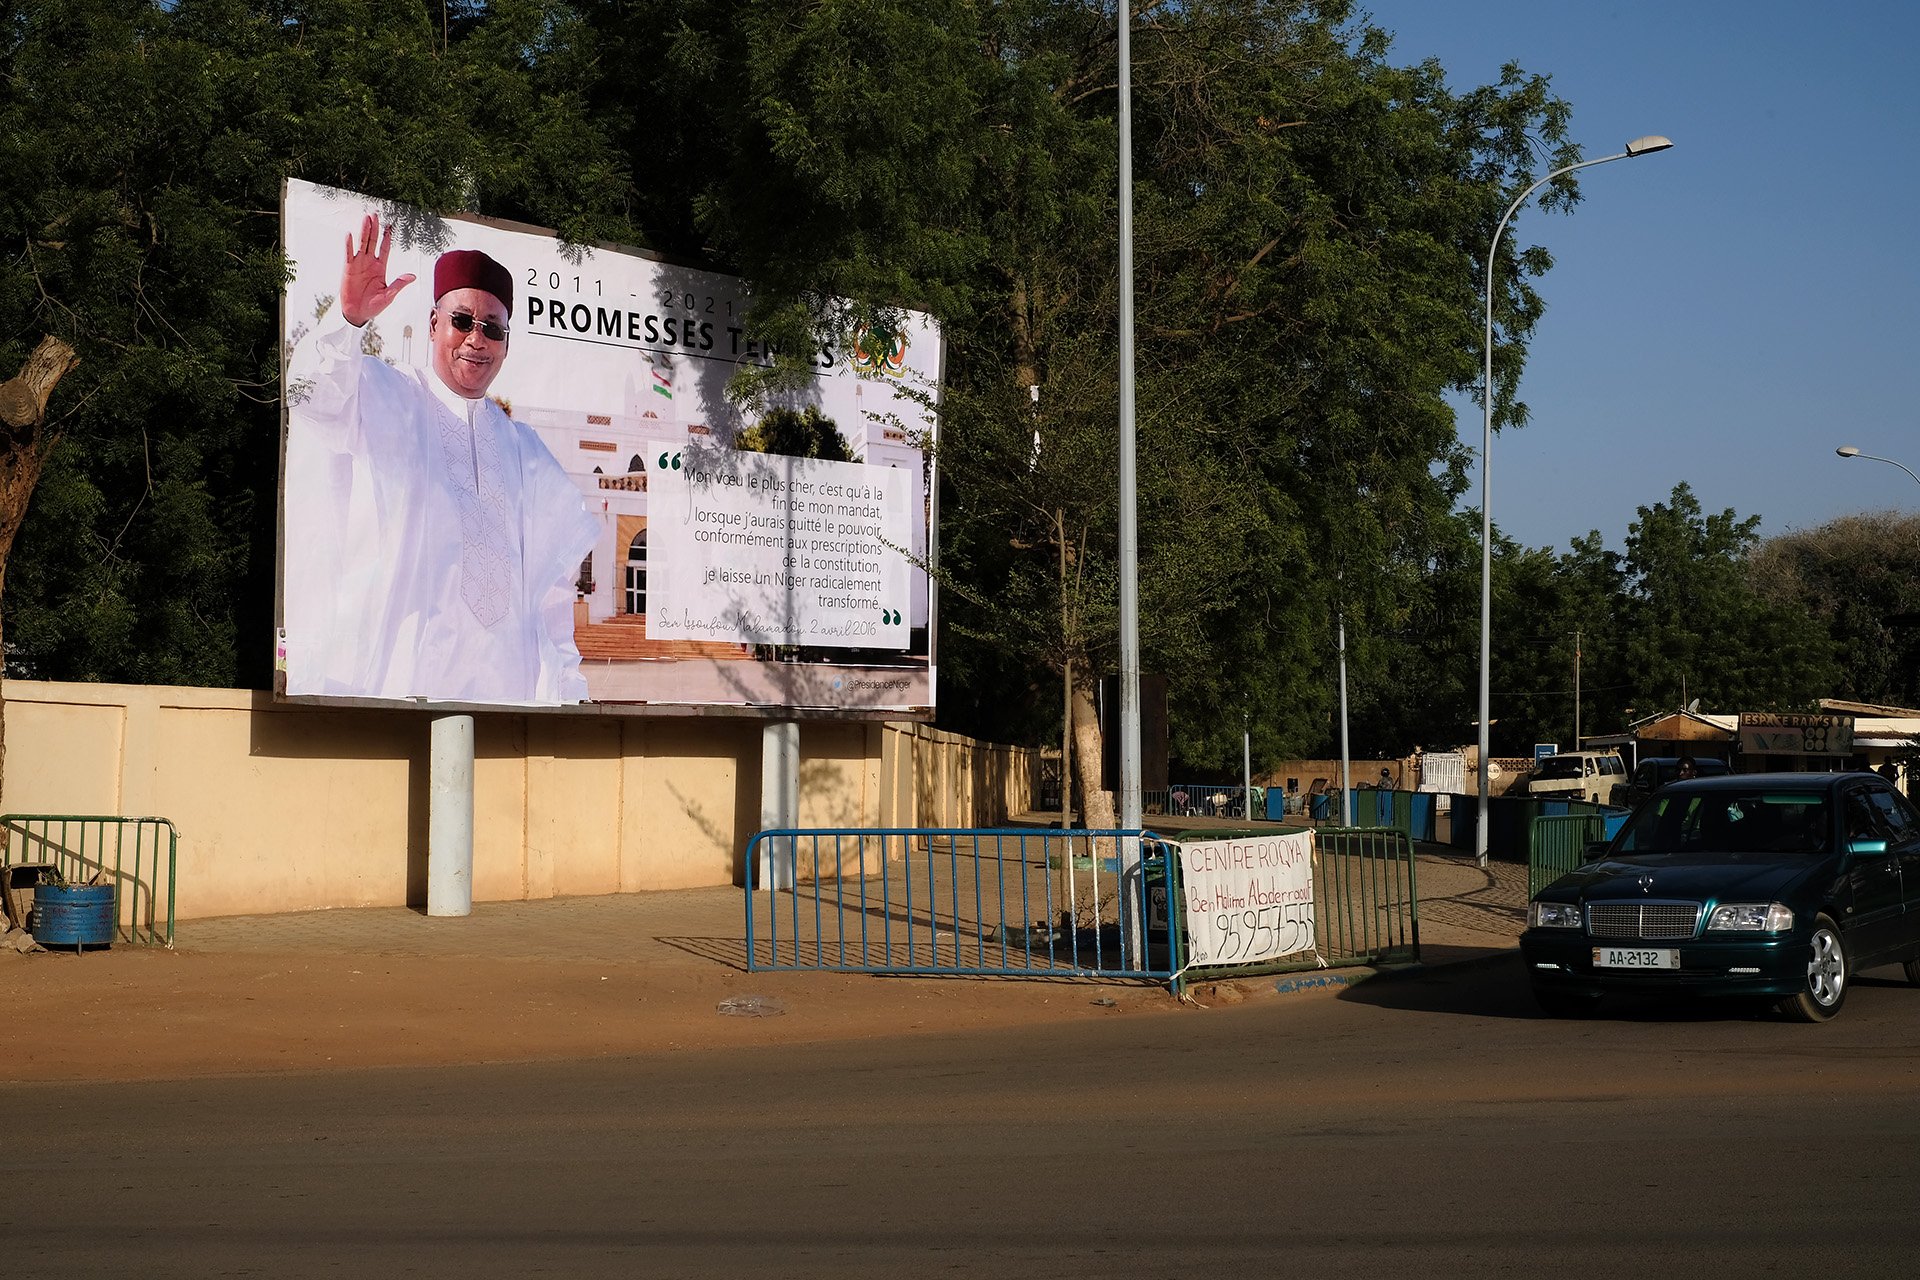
1897 812
1555 768
1896 817
1717 822
1862 818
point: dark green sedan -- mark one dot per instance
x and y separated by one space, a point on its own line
1775 884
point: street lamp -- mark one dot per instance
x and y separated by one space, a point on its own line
1849 451
1638 147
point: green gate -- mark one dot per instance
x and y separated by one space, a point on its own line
134 855
1558 844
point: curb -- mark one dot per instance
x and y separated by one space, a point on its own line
1334 981
1422 968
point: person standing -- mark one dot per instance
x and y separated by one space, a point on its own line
432 542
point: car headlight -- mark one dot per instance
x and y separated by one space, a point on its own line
1750 917
1554 915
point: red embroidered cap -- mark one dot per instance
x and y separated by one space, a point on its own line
472 269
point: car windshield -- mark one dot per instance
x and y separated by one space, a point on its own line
1557 767
1784 822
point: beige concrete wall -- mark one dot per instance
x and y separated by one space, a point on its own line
289 808
933 778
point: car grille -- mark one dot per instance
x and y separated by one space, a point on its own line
1648 920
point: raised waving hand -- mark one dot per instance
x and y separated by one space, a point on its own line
364 289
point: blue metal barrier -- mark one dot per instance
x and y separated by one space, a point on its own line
1039 903
949 900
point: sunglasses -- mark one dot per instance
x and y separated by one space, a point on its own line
463 322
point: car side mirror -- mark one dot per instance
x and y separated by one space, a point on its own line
1865 844
1596 851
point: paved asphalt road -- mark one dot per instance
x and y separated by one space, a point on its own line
1432 1126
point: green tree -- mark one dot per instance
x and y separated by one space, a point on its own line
1310 223
1697 629
1309 218
1546 607
1859 576
145 146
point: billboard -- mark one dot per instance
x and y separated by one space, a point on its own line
512 477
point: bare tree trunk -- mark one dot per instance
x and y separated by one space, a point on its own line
23 453
1090 908
1097 801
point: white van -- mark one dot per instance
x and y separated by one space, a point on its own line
1578 775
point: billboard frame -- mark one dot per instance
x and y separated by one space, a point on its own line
786 676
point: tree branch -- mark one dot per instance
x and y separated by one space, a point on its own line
23 397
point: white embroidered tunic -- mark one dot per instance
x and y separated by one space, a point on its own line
432 543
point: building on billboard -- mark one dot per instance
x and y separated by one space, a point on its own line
606 452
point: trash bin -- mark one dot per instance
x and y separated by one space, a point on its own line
1160 885
78 916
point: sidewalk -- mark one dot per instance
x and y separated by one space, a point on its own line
569 977
1463 908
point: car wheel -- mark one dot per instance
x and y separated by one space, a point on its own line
1825 989
1565 1004
1913 971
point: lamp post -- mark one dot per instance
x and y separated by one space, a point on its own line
1638 147
1849 451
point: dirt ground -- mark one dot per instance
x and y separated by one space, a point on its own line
564 979
136 1013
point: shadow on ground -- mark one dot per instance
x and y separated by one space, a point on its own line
1498 988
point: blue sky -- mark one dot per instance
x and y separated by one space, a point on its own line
1729 311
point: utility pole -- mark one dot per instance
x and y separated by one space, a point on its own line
1246 760
1576 690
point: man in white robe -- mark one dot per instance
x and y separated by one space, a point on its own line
432 543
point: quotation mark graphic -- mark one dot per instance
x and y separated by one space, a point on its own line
891 617
664 464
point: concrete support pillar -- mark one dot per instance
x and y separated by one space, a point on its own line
450 817
779 801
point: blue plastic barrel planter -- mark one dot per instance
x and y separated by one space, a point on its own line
73 915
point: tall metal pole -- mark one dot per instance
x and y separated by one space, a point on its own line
1346 755
1129 529
1638 147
